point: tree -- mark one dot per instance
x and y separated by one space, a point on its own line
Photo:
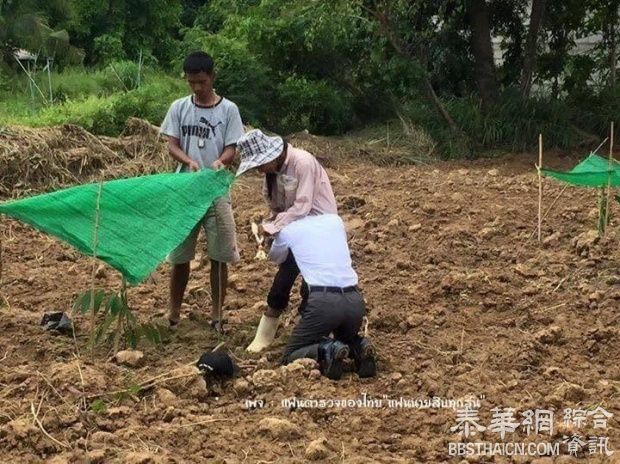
563 23
482 49
408 30
150 26
607 17
529 59
31 24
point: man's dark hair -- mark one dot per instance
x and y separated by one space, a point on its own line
197 62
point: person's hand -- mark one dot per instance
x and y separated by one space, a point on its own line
217 164
262 231
193 166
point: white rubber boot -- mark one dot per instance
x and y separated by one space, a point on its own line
265 334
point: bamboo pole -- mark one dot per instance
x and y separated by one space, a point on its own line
31 80
550 208
609 166
49 80
539 167
220 298
94 270
121 315
602 143
139 70
1 295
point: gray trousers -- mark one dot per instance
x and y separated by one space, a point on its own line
325 312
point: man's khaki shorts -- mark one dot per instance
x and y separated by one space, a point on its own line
219 226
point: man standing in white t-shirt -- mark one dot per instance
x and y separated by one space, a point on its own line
335 304
203 129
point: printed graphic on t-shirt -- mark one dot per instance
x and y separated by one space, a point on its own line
204 131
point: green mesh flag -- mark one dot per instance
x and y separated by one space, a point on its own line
592 172
140 219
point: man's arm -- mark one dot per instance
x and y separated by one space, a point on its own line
304 197
234 131
175 150
226 158
171 128
279 249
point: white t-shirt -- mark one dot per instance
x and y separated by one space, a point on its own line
319 244
203 131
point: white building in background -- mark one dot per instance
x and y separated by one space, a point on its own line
582 46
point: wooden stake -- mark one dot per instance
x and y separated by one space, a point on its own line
94 270
602 143
601 212
31 81
119 321
609 166
220 298
539 167
549 209
1 297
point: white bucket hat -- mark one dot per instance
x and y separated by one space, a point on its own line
257 149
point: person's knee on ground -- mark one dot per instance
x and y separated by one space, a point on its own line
331 355
364 356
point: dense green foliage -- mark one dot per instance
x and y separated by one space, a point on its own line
324 65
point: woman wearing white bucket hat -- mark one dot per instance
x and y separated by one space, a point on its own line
296 186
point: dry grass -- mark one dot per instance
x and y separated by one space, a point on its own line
396 143
37 160
46 159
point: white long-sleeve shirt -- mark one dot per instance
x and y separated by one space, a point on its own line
319 244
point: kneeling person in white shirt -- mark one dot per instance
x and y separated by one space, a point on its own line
335 305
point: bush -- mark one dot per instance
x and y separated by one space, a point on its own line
119 75
107 115
94 113
150 102
313 105
514 124
108 48
5 82
72 84
596 110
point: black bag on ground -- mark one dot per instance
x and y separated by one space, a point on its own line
216 365
56 321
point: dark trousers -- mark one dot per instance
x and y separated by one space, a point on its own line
325 312
282 285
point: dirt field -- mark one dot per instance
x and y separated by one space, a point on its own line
461 302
